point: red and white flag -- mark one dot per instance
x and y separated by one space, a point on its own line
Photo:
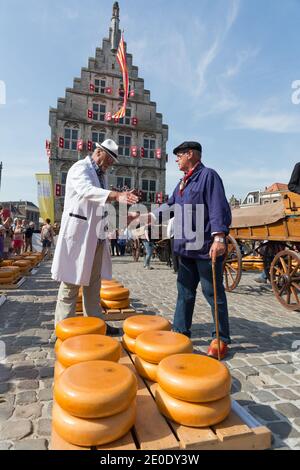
92 87
90 146
158 153
121 58
108 90
134 151
108 117
90 114
80 145
48 145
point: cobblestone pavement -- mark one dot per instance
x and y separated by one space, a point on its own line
265 370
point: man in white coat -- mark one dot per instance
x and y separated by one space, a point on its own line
82 253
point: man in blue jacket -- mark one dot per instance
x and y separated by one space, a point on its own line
203 188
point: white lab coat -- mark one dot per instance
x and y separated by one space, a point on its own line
78 236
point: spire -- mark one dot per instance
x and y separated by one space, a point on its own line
114 31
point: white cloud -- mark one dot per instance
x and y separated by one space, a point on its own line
242 57
281 123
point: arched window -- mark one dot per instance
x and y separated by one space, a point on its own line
123 178
98 136
71 136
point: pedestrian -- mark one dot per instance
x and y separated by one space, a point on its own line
28 237
114 238
122 241
200 187
18 237
149 246
82 253
47 238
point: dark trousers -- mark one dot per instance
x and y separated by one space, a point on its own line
190 273
175 258
114 245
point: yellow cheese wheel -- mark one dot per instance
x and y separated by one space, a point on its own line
6 272
77 326
58 370
22 264
88 348
114 294
108 282
93 432
115 285
192 414
153 346
146 369
6 262
128 343
115 303
57 345
95 389
138 324
194 378
7 280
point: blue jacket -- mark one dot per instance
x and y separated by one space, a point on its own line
205 187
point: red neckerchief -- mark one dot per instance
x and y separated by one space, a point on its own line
186 177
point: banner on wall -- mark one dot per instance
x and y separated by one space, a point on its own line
45 196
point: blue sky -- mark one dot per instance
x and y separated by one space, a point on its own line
221 72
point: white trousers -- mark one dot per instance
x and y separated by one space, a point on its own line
68 293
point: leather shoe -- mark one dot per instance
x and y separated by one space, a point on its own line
213 349
112 331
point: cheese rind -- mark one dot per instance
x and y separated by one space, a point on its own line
134 326
145 369
153 346
76 326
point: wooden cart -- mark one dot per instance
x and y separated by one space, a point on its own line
276 227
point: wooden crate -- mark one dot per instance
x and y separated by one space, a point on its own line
15 285
152 431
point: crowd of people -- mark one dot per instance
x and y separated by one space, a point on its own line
16 235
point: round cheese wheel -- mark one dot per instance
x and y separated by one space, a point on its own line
115 294
128 343
93 432
146 369
88 348
7 262
115 303
6 272
138 324
192 414
22 263
95 389
77 326
57 345
79 307
108 282
58 370
153 346
116 285
194 378
7 280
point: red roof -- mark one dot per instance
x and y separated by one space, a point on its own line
277 187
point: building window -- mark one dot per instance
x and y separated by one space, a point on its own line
123 181
149 148
149 190
127 119
124 145
63 180
97 137
71 138
99 111
100 85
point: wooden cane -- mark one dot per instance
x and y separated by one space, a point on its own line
216 306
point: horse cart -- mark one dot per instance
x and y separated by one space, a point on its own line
275 228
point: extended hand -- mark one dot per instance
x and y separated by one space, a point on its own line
128 197
217 249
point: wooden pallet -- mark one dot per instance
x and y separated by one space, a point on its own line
118 314
152 431
14 285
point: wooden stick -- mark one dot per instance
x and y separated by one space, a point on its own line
216 307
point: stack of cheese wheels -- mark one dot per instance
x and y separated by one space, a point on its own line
74 327
9 274
152 347
23 264
134 326
114 295
86 348
193 390
94 403
6 262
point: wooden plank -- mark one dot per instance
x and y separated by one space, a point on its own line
151 428
58 443
120 314
15 285
231 427
125 443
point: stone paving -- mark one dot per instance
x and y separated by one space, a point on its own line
265 368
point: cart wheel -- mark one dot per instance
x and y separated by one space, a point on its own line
285 279
232 267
